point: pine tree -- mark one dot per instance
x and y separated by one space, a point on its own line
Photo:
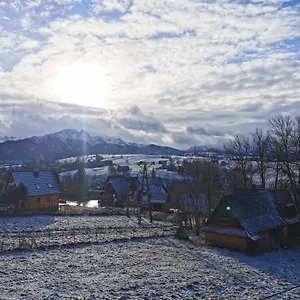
81 184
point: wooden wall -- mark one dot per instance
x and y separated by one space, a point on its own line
40 202
107 200
47 202
227 241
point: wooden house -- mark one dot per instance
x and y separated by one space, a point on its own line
159 197
117 191
43 190
253 221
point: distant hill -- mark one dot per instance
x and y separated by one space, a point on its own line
69 142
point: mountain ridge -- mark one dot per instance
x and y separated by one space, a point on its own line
70 142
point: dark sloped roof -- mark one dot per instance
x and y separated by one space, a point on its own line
161 198
153 188
121 186
46 183
255 210
282 200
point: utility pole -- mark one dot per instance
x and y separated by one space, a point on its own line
139 195
148 194
145 167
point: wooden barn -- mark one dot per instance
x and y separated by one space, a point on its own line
42 191
253 221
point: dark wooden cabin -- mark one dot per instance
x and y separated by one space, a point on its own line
254 220
117 190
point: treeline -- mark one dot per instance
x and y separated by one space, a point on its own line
76 187
273 155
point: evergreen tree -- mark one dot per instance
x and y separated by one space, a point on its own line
81 184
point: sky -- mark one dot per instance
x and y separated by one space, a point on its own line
170 72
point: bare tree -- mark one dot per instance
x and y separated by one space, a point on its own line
286 151
201 178
261 153
283 131
239 148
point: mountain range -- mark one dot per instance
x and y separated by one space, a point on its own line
70 142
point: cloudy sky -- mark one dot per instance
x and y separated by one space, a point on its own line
173 72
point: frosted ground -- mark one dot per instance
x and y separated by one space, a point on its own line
144 268
56 231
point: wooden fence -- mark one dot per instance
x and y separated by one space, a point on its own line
34 239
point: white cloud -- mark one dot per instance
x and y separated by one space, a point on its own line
100 6
184 61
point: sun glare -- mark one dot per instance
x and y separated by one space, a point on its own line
82 84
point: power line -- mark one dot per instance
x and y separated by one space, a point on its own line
282 292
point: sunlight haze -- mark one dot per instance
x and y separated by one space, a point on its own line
177 73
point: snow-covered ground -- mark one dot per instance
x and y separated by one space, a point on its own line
158 268
100 174
45 231
154 265
70 222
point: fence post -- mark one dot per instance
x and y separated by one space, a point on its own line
49 237
19 239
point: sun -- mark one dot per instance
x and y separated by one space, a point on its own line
82 84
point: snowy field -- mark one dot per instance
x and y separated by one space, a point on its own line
47 231
157 268
69 222
131 160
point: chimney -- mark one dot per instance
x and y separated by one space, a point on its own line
36 173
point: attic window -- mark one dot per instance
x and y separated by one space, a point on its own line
50 185
37 186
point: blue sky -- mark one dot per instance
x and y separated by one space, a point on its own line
176 72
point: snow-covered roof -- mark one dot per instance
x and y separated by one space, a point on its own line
38 182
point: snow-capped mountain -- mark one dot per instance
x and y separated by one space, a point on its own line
114 140
70 142
72 134
82 135
8 138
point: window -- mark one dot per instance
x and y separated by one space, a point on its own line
38 200
50 185
37 186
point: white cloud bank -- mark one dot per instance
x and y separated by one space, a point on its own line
189 69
